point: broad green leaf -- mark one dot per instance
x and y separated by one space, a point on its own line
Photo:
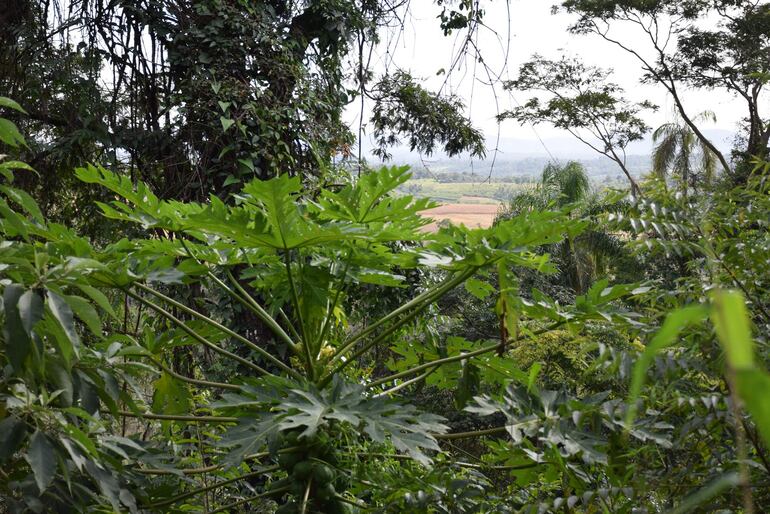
273 209
732 325
381 419
731 321
16 165
108 484
546 419
508 302
666 336
534 371
226 123
61 377
249 163
12 433
25 201
86 312
99 298
57 337
16 224
87 392
11 104
63 314
468 385
380 278
7 167
41 457
230 180
309 412
248 437
30 310
74 452
368 200
278 197
171 396
10 135
82 439
165 276
17 341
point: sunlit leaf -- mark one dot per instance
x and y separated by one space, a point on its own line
731 321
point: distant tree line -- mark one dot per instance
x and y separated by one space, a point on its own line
454 177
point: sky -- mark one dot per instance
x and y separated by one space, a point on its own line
422 49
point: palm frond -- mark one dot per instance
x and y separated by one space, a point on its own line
574 183
664 154
664 131
708 162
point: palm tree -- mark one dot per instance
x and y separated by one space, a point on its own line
558 186
581 259
679 152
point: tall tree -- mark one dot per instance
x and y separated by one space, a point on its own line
678 51
195 96
580 100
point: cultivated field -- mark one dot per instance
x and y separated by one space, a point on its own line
473 204
461 192
470 215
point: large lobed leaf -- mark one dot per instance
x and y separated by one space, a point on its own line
309 410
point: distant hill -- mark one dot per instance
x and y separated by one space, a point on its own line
525 167
521 157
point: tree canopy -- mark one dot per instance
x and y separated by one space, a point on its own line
677 52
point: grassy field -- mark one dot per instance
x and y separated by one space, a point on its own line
461 192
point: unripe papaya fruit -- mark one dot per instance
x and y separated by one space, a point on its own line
322 474
326 491
321 451
292 438
287 461
303 470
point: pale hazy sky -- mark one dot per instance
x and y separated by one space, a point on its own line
422 49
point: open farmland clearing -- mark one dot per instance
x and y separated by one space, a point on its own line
470 215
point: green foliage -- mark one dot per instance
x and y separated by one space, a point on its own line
55 378
306 251
583 102
731 322
588 255
727 55
201 97
674 323
689 244
9 133
405 107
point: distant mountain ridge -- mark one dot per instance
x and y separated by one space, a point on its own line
528 167
528 157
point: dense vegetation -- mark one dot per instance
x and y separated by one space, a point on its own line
202 311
